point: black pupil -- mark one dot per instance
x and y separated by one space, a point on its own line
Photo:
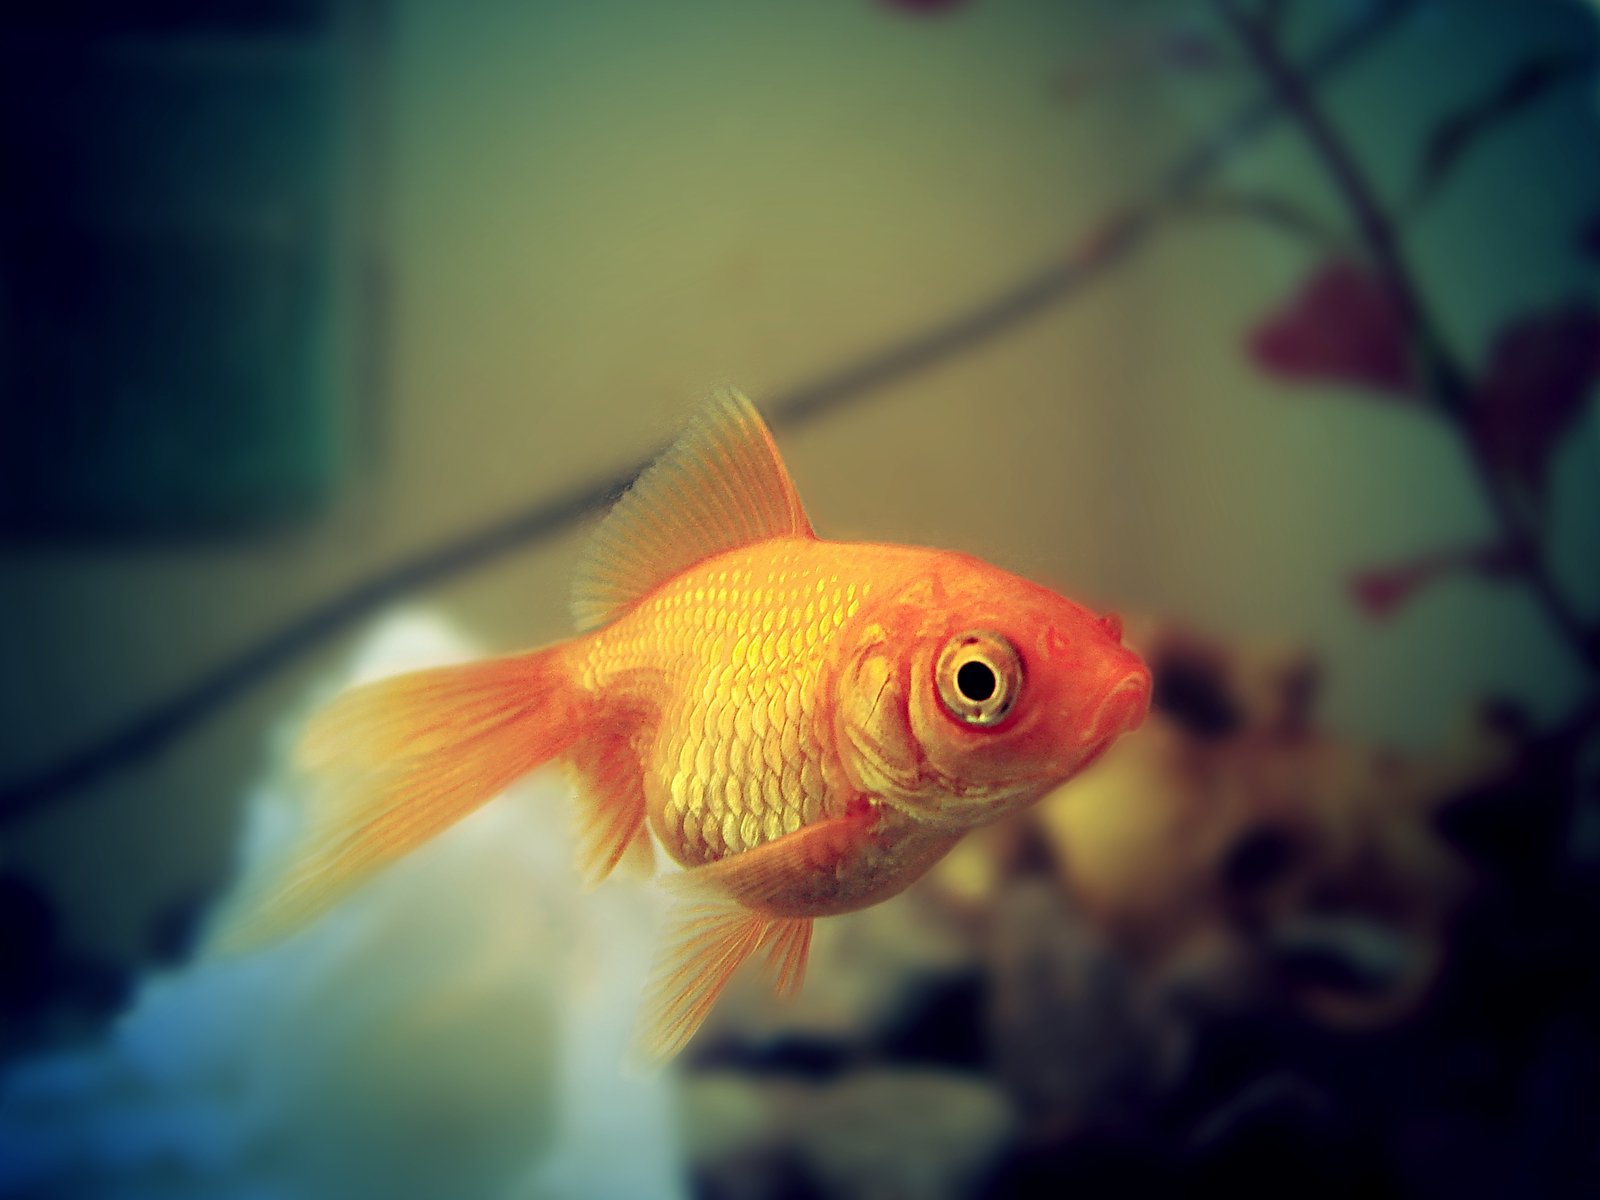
976 680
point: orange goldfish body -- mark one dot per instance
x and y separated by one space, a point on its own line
804 726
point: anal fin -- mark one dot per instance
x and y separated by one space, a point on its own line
708 937
788 944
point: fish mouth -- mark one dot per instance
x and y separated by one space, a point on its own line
1122 709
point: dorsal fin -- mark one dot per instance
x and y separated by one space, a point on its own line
720 485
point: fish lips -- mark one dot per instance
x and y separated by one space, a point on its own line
1121 708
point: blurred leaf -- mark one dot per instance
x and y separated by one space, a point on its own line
1540 372
1456 133
1167 48
1341 327
1381 591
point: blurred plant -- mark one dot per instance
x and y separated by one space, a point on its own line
1366 323
1341 327
1138 52
1235 856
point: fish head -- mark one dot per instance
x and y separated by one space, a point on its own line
971 692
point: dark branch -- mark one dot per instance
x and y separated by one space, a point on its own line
1278 212
1448 387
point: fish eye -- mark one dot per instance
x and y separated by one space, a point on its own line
979 676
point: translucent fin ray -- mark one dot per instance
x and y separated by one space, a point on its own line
788 945
707 938
721 485
392 763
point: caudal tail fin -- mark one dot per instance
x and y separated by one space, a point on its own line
392 763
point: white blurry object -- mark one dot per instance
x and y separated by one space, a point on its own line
457 1027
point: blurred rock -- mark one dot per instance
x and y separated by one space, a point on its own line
48 994
27 946
1075 1046
876 1132
1275 1127
923 1135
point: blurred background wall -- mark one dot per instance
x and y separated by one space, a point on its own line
512 243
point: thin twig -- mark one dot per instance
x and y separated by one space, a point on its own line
1109 244
1276 211
1447 385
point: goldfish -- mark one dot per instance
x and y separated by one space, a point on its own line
802 726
